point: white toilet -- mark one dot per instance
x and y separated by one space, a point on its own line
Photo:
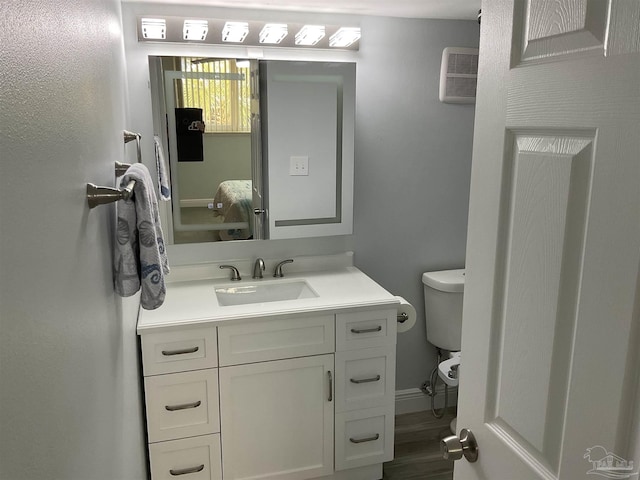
443 293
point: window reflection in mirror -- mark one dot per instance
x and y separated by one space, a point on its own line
206 120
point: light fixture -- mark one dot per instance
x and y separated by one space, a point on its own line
154 28
344 37
235 32
310 35
273 33
195 29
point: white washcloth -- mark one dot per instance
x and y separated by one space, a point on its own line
140 258
163 170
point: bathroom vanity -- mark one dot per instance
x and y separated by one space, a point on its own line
288 378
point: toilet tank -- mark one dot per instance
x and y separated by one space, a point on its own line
443 293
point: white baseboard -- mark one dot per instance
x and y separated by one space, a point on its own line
414 400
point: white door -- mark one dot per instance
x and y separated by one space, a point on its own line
277 419
553 247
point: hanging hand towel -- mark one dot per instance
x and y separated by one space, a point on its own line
163 170
140 259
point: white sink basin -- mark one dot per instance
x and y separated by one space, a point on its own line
262 292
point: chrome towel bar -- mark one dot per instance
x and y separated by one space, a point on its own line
97 195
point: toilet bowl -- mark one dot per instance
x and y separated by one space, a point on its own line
443 292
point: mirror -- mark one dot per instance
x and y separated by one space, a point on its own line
204 109
255 149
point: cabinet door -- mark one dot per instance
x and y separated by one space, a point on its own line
277 419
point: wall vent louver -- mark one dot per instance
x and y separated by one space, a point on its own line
459 75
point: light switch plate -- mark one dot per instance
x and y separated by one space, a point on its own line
299 165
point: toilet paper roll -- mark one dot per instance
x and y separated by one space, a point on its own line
405 308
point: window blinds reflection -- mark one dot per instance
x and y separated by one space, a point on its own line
221 89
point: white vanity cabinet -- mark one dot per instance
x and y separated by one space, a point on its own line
295 396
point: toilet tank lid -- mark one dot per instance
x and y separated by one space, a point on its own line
445 280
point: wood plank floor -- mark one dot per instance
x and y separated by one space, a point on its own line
417 448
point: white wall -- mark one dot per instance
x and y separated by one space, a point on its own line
69 398
413 166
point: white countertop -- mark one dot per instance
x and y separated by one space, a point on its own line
194 302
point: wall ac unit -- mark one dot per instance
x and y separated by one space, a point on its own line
459 75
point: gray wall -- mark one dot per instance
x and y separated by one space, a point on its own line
412 168
227 156
413 155
69 399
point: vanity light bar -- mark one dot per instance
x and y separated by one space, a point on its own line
344 37
154 28
273 33
250 33
310 35
195 29
235 32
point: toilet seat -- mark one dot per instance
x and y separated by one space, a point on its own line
448 370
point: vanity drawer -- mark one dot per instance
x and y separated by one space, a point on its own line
373 328
365 378
364 437
179 351
182 404
273 339
196 458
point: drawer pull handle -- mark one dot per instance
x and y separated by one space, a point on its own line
169 353
367 439
185 471
184 406
330 399
366 380
367 330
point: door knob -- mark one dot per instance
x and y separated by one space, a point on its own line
454 447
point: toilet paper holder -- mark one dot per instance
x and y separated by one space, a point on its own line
402 317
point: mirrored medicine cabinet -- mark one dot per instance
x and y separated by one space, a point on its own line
256 149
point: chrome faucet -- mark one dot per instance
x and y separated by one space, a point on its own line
235 274
278 272
258 268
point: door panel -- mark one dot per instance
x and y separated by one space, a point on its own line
554 238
